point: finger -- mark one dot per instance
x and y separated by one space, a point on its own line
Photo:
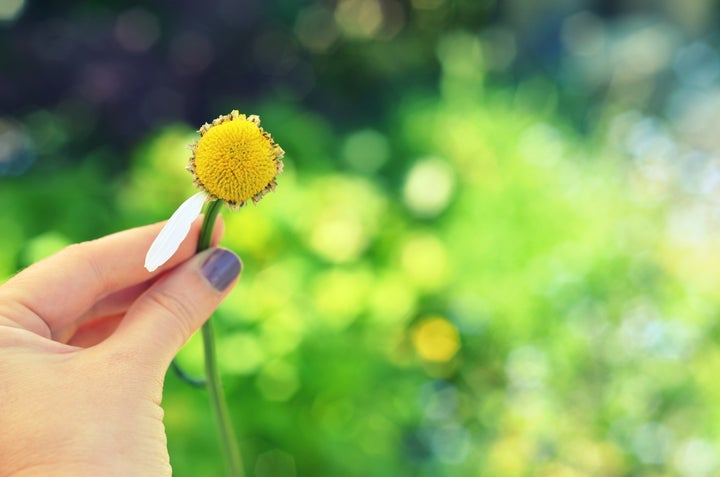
51 294
114 304
118 302
164 318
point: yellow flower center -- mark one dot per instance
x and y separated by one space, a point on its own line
235 161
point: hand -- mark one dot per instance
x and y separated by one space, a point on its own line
86 337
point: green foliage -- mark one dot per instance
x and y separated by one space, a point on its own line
585 342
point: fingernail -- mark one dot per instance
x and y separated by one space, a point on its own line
220 268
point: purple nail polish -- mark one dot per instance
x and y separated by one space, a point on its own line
220 268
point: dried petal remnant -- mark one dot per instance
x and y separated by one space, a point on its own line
235 160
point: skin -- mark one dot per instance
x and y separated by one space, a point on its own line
86 337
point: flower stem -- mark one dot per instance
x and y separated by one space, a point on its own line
231 454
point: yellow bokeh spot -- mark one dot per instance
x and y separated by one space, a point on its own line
255 244
436 339
347 216
235 160
424 260
509 456
339 238
340 295
393 300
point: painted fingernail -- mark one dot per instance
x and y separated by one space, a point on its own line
220 268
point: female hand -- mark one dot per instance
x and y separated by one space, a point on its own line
86 337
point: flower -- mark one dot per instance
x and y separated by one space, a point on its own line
235 160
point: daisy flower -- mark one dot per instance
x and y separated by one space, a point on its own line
235 161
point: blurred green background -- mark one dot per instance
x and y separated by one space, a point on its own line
492 251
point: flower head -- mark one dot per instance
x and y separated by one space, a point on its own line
235 160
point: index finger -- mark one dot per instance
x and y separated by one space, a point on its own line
51 294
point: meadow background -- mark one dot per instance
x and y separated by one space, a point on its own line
494 248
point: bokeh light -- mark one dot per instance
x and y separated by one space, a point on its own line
436 339
10 9
428 187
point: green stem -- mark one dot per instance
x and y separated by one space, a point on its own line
211 211
231 454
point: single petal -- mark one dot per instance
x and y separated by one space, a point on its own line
174 232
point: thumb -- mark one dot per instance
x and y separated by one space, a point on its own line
158 324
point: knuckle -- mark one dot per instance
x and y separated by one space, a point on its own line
177 306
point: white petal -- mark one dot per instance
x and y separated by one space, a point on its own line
174 232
